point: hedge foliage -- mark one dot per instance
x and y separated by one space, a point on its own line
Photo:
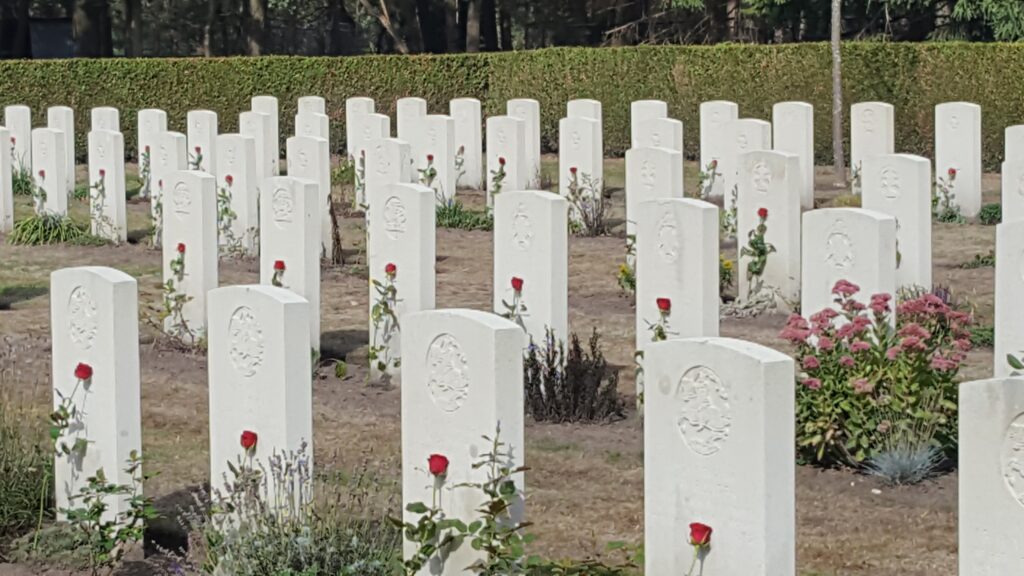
914 77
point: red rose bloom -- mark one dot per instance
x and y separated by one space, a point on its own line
14 140
390 269
42 173
700 534
572 170
103 173
664 304
83 371
181 247
199 150
279 265
248 440
160 183
762 213
952 172
714 164
430 157
438 464
229 179
501 160
517 284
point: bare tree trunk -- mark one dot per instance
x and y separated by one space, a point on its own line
91 24
451 25
473 26
133 27
22 41
838 160
384 17
257 25
505 25
489 25
211 16
341 21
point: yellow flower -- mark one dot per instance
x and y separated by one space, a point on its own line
727 264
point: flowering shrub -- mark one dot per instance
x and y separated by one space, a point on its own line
498 177
428 174
384 316
573 385
195 159
757 251
585 195
231 244
942 200
626 276
515 309
859 377
104 225
707 179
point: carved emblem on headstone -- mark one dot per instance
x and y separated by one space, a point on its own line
447 373
82 318
705 416
246 337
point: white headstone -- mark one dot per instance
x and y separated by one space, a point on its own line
718 449
793 133
151 122
202 140
309 158
528 110
62 118
579 147
408 114
1009 329
362 129
189 239
958 146
872 131
462 379
315 125
107 209
506 140
641 111
468 141
311 105
18 121
661 133
105 118
355 107
991 471
585 108
238 186
268 105
900 185
388 161
771 180
259 367
256 125
743 135
403 224
290 235
434 144
1013 147
850 244
6 185
48 165
531 245
1012 191
169 155
95 323
677 258
651 174
716 117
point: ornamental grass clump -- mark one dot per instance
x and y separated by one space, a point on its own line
861 380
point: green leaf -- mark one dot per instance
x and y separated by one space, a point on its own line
417 508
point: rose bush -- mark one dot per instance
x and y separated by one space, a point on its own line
860 377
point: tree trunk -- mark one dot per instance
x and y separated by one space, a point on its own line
489 25
383 15
90 22
211 17
505 24
341 21
839 167
133 28
257 26
473 25
22 40
451 25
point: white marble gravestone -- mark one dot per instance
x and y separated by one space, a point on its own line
958 146
651 174
506 140
168 155
468 141
202 140
579 147
872 131
991 474
290 234
105 118
743 135
256 125
236 178
310 158
462 379
95 321
190 223
585 108
150 123
48 165
852 244
531 243
528 110
18 121
403 234
1009 283
311 105
718 449
315 125
661 133
408 114
771 180
716 117
434 144
363 129
900 185
354 107
388 161
62 119
107 210
677 258
639 112
259 367
272 148
793 133
1012 190
6 184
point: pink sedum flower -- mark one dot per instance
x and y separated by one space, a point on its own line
810 362
845 288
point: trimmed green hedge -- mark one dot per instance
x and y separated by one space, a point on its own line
914 77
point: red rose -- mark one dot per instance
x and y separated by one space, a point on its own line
14 140
762 213
199 150
279 265
517 284
501 160
83 371
103 173
952 172
700 534
390 269
181 247
664 304
42 173
249 439
160 183
430 157
572 170
462 149
438 464
714 164
229 179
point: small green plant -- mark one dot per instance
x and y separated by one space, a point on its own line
453 214
586 197
991 214
515 309
26 468
428 174
384 316
230 243
757 251
21 175
708 176
460 163
944 207
498 177
574 387
145 174
727 218
46 228
340 369
174 301
908 452
981 261
103 224
983 336
846 201
195 158
626 276
726 274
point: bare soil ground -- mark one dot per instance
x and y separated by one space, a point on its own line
586 482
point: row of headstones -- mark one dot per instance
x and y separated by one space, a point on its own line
718 428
